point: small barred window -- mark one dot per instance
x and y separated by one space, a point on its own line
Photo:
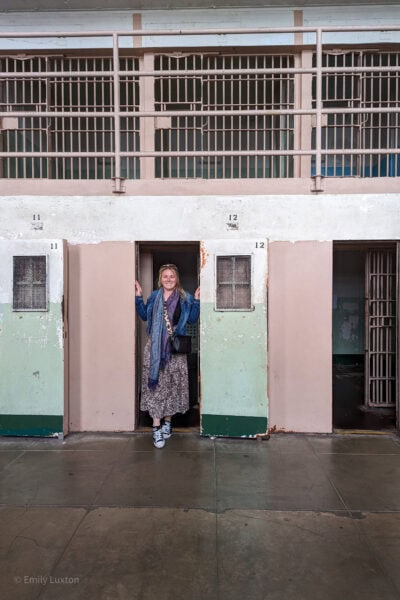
30 283
233 283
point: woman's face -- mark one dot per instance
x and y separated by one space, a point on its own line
168 280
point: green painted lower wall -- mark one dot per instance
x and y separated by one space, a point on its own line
31 362
233 362
233 426
35 425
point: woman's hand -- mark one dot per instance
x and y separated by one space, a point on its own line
138 289
197 294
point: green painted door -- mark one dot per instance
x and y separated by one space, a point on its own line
233 337
32 337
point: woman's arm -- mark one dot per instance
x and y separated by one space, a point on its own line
141 308
140 305
195 308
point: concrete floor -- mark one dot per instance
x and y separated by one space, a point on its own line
109 517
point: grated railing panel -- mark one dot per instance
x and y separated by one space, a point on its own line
359 131
68 134
207 114
225 133
26 95
381 130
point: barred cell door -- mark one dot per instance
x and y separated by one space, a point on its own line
398 338
381 329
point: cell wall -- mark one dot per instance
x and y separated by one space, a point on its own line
102 234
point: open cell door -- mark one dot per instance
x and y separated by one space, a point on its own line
398 337
233 338
32 338
381 332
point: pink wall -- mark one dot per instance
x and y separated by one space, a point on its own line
300 336
102 336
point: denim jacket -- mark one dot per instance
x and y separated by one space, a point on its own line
190 310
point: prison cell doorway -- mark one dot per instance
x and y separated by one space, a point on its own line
150 257
365 336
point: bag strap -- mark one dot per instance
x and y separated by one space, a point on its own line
167 322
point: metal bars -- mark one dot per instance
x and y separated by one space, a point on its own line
233 88
69 134
381 130
233 290
381 328
29 283
178 133
28 133
355 126
201 114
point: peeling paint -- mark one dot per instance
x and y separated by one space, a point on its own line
203 256
31 340
276 429
60 335
262 436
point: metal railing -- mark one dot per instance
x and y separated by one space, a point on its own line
201 113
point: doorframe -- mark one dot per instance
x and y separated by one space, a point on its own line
65 325
150 247
365 245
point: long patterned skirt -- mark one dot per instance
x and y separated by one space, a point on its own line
172 392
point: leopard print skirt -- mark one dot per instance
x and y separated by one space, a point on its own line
171 395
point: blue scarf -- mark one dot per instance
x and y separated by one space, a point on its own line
160 348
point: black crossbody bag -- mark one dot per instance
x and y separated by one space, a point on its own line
180 344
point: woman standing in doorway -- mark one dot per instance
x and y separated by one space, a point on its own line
165 382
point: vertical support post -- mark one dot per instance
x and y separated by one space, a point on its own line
49 141
297 118
137 24
305 101
298 40
117 118
318 131
147 124
298 21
